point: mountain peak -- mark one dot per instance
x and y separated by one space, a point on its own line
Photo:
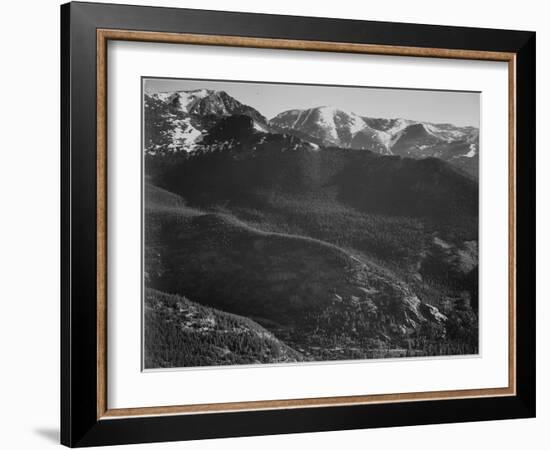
328 109
333 126
184 117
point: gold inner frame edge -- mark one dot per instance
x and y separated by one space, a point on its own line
103 36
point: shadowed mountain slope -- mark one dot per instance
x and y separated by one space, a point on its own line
181 333
305 291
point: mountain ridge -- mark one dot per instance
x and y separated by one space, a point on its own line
182 119
399 136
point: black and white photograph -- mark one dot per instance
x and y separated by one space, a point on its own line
290 223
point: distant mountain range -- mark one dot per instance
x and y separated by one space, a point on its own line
184 118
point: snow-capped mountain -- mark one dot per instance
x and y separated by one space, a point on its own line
421 135
400 136
333 127
178 121
205 102
456 145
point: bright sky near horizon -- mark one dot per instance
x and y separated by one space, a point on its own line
270 99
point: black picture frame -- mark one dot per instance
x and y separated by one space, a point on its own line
80 425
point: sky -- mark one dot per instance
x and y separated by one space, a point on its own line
270 99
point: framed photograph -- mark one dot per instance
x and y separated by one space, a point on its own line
276 224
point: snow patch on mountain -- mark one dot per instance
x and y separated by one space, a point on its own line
314 146
259 127
385 139
395 137
472 152
354 122
326 119
430 129
186 135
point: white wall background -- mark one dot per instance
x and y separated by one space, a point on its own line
29 225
